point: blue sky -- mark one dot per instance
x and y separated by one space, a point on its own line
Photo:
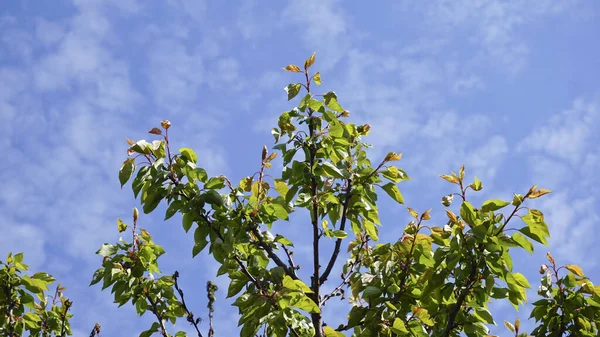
510 88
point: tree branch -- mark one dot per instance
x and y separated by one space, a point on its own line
95 331
290 259
346 277
460 300
338 242
317 318
190 315
67 306
158 316
264 245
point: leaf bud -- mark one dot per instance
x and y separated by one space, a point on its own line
543 269
136 214
166 124
447 200
517 200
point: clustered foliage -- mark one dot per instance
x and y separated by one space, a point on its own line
433 281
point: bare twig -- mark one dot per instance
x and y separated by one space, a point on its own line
190 315
290 259
95 330
346 278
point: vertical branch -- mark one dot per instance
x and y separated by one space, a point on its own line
158 316
67 306
338 242
211 288
317 318
11 306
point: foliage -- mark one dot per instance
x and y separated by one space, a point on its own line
433 281
24 307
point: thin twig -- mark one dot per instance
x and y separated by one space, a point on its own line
63 327
346 278
290 259
190 315
95 330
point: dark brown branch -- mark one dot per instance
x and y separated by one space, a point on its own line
317 318
264 245
158 316
290 259
63 327
463 294
190 315
345 278
95 330
338 242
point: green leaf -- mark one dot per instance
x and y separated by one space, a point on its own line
509 325
399 327
304 303
197 174
330 332
371 230
173 208
212 197
521 280
523 242
394 174
292 90
317 78
126 171
107 250
332 103
215 183
467 212
484 315
371 291
121 226
277 210
199 241
189 154
284 241
493 205
340 234
187 221
476 185
332 171
236 285
281 187
575 269
392 190
536 228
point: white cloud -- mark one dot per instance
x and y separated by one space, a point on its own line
491 26
323 27
566 135
563 156
196 9
467 84
23 238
